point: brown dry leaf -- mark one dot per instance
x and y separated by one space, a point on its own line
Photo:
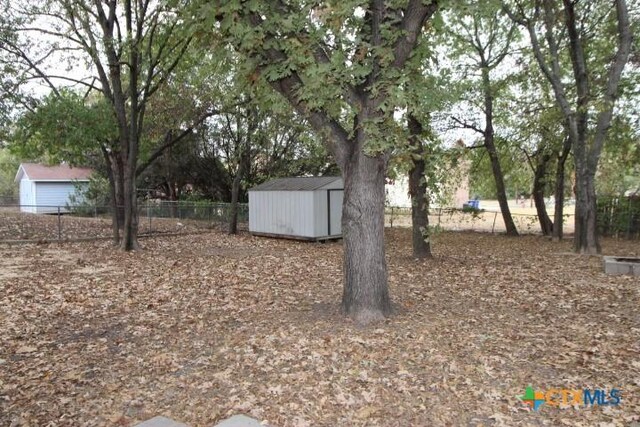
26 349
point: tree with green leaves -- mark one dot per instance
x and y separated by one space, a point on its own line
8 167
341 66
481 40
582 49
131 49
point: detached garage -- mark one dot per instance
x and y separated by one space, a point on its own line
306 208
44 188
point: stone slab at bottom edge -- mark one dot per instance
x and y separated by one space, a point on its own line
161 422
234 421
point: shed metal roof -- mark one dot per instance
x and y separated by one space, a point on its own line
63 172
303 183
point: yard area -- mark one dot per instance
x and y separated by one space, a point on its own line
199 327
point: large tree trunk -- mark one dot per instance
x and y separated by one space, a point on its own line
366 294
539 183
489 143
558 214
418 192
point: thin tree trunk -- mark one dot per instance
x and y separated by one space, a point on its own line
418 192
112 195
489 143
119 178
366 294
235 192
539 183
243 167
558 214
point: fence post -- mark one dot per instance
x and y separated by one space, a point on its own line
493 227
149 216
391 217
59 225
629 216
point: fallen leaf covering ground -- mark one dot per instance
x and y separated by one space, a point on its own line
201 327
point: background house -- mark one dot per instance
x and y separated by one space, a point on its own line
44 188
307 208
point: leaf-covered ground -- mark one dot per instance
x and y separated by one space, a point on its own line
200 327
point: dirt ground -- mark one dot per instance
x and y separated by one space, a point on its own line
200 327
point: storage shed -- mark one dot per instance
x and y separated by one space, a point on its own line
44 188
306 208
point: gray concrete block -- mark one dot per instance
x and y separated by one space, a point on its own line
621 265
161 422
239 421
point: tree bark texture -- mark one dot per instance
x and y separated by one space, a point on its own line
235 193
558 214
418 192
365 295
539 184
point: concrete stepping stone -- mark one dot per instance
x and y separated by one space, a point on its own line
234 421
161 422
239 421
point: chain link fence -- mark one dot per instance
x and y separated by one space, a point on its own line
85 222
618 217
488 221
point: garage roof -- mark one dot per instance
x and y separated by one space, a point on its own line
301 183
39 172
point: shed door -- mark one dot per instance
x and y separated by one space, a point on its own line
335 211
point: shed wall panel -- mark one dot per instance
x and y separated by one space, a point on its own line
336 212
289 213
50 195
27 195
323 216
320 219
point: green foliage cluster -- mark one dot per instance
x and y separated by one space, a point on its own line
8 168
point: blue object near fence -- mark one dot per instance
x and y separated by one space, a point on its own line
474 204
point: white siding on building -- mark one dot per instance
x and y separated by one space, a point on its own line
50 195
27 196
288 213
297 208
336 212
